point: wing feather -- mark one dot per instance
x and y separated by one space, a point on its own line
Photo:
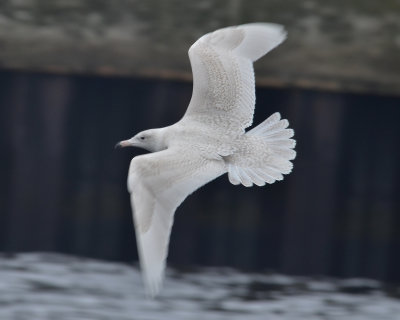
223 75
158 183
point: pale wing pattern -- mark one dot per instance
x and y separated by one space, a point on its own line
223 77
158 183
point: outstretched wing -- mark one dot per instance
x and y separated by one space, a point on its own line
223 75
158 183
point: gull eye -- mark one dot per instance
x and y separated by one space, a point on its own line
142 138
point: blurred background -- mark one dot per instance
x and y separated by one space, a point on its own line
77 76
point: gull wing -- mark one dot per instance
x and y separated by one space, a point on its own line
223 76
158 183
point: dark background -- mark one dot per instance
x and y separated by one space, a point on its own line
63 186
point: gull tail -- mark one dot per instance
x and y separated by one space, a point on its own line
266 155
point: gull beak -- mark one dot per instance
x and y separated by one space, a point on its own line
125 143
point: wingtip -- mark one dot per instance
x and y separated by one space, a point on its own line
153 287
153 279
277 28
260 39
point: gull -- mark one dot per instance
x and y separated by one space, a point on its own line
208 141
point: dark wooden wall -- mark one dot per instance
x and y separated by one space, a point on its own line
63 186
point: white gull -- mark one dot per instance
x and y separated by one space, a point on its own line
208 141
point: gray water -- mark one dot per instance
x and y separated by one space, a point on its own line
52 286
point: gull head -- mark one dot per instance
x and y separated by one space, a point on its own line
150 140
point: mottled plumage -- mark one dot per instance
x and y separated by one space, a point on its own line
208 141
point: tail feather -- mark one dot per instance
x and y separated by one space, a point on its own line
282 165
287 154
277 139
283 134
271 129
283 144
255 177
233 175
263 174
272 173
244 177
269 122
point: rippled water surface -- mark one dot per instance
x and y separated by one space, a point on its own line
53 286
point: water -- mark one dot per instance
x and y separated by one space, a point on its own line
53 286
